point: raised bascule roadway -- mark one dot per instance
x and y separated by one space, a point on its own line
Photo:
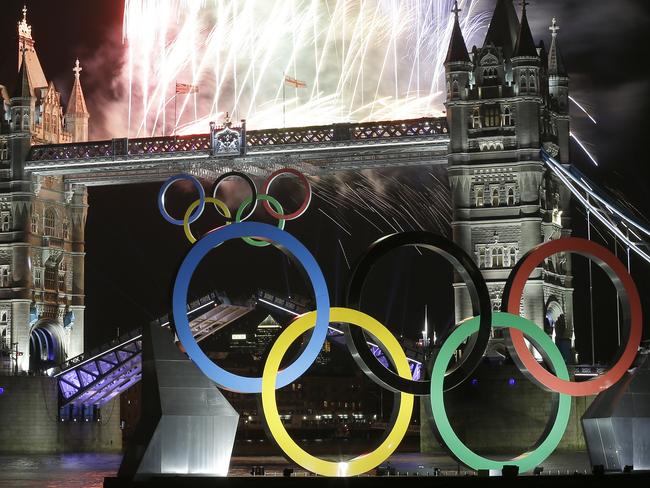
97 376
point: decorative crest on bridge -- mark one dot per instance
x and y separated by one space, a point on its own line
227 141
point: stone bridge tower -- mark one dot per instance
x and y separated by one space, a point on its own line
42 222
504 101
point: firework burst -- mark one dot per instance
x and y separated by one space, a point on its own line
359 59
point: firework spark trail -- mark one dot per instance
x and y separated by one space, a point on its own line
344 254
386 202
335 222
374 59
584 148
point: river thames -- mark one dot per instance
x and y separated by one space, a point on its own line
88 470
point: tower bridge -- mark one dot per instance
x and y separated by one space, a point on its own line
505 102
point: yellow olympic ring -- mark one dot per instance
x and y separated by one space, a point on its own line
360 464
186 218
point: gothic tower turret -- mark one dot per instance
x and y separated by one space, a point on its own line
76 115
21 113
525 76
558 84
458 69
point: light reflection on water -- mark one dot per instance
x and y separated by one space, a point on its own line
57 470
89 470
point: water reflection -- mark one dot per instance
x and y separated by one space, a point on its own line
89 470
57 470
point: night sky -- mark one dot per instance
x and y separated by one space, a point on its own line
133 254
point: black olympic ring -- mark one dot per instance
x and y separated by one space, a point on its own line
250 183
479 295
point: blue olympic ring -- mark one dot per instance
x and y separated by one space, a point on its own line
163 190
281 239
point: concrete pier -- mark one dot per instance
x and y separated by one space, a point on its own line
31 422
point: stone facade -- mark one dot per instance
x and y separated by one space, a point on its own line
504 101
35 427
42 222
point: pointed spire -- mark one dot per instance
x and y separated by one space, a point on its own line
22 88
77 70
77 103
525 43
457 48
26 43
556 64
24 29
503 27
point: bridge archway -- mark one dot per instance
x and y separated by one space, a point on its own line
553 311
46 345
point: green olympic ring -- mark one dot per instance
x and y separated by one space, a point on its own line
545 345
246 203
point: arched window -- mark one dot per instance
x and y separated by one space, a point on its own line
490 76
50 277
4 275
492 117
480 199
25 122
523 85
476 118
61 280
533 85
497 257
6 222
496 200
50 222
507 117
3 317
481 258
513 256
455 90
511 196
34 223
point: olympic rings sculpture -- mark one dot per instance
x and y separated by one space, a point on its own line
271 205
474 333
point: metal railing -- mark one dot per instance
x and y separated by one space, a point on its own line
367 131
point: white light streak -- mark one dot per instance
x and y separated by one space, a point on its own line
573 183
583 109
344 255
584 148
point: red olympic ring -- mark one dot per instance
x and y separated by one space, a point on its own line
628 294
303 206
